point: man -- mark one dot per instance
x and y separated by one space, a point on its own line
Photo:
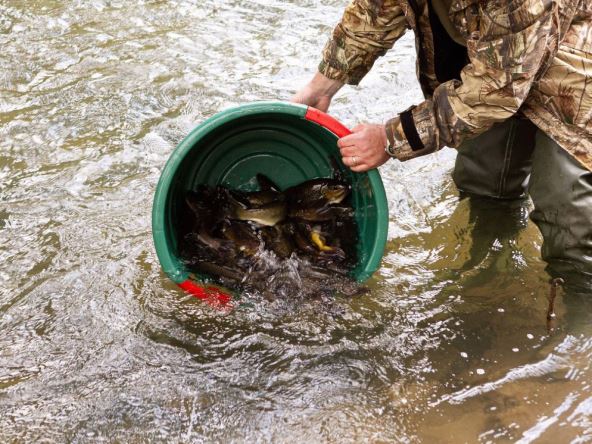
507 82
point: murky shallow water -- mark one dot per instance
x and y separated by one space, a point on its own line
97 345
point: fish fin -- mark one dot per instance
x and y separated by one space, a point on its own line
240 197
325 208
319 241
266 184
232 201
334 253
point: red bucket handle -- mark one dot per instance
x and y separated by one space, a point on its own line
326 121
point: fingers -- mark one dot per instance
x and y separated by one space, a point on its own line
359 164
359 127
353 162
350 161
356 164
358 135
363 150
360 168
355 150
348 140
349 151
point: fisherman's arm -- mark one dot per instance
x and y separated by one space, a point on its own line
513 43
367 30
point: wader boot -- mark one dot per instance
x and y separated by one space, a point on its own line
561 190
498 164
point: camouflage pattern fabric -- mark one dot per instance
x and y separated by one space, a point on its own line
527 56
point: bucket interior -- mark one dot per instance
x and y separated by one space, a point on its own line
286 148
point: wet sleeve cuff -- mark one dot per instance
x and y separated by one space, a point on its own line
411 134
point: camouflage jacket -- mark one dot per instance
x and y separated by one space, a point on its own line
527 56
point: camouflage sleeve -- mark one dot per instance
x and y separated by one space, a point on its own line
506 53
368 29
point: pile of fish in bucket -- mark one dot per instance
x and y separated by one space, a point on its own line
301 240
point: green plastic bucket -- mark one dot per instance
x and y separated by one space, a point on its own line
290 144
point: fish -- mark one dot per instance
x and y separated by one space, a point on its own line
204 237
319 241
310 241
312 222
218 270
278 241
301 240
329 190
268 215
243 236
268 193
325 251
206 204
201 245
197 203
257 199
319 211
204 222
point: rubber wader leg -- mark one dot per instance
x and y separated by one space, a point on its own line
561 189
497 163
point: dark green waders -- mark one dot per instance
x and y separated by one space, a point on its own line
515 157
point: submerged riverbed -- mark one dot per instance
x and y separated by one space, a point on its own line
97 345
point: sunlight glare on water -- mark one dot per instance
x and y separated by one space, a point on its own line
97 345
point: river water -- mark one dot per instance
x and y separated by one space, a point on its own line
97 345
